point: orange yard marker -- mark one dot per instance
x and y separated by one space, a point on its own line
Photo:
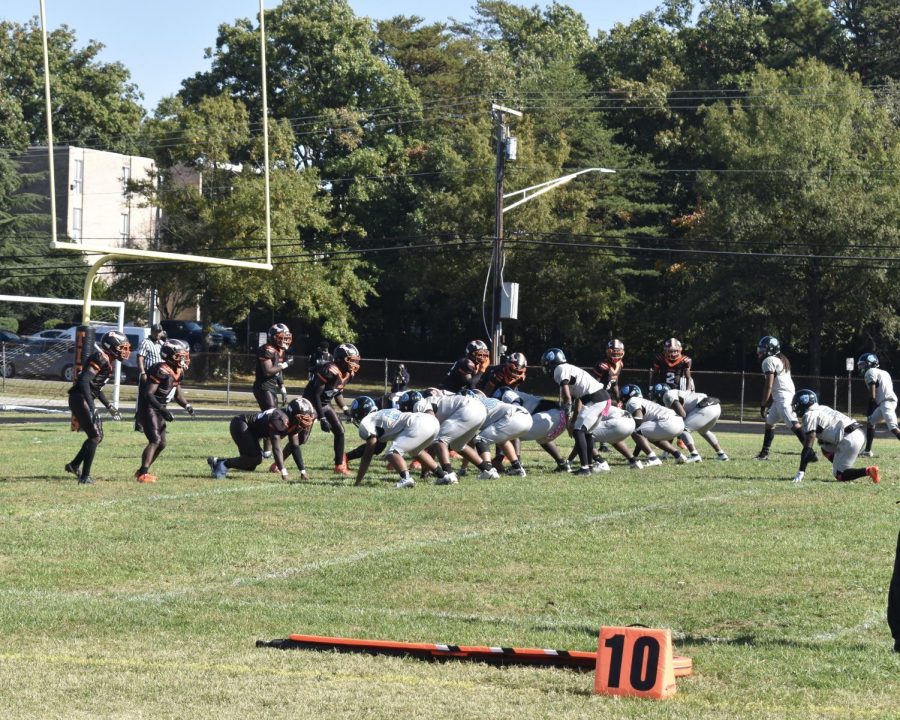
536 657
635 661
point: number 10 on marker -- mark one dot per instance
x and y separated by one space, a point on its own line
635 661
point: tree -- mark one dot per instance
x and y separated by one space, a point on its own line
94 103
809 185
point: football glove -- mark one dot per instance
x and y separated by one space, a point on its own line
114 413
189 409
325 425
763 411
167 414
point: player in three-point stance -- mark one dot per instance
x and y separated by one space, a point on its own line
402 432
655 423
882 399
87 388
840 437
700 413
161 385
248 431
778 392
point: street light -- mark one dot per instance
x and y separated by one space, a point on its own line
527 194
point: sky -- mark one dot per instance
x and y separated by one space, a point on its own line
162 42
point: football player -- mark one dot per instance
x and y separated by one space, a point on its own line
610 424
270 366
882 399
578 390
88 387
504 423
672 367
467 371
778 392
248 431
548 422
327 387
320 356
839 436
700 413
163 384
401 432
510 373
607 371
655 423
460 417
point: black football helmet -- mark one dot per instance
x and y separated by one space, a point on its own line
176 354
409 401
477 351
347 356
866 361
615 350
279 336
672 348
361 407
552 358
514 369
116 344
301 411
767 346
804 400
631 391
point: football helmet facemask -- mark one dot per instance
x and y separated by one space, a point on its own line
672 347
477 350
615 350
176 354
301 412
866 361
361 407
116 344
347 356
279 336
514 369
767 346
804 400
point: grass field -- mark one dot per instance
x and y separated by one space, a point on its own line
119 600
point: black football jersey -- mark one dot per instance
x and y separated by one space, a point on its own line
263 380
167 381
103 369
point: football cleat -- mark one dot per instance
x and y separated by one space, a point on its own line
74 469
635 464
652 461
694 457
267 454
582 471
489 474
562 467
600 466
763 455
405 483
516 472
448 479
342 469
85 480
680 459
723 456
866 453
873 472
145 478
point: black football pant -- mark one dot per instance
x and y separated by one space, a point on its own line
266 400
90 423
247 444
337 429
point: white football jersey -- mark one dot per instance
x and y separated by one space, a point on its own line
390 422
783 387
650 409
580 382
689 400
529 402
446 405
828 424
884 385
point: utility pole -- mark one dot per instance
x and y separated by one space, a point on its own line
497 259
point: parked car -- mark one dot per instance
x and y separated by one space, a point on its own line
54 334
55 362
8 337
229 336
192 333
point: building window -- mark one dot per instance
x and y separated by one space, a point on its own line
78 184
125 230
76 223
126 176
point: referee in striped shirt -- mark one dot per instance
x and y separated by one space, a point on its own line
147 356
